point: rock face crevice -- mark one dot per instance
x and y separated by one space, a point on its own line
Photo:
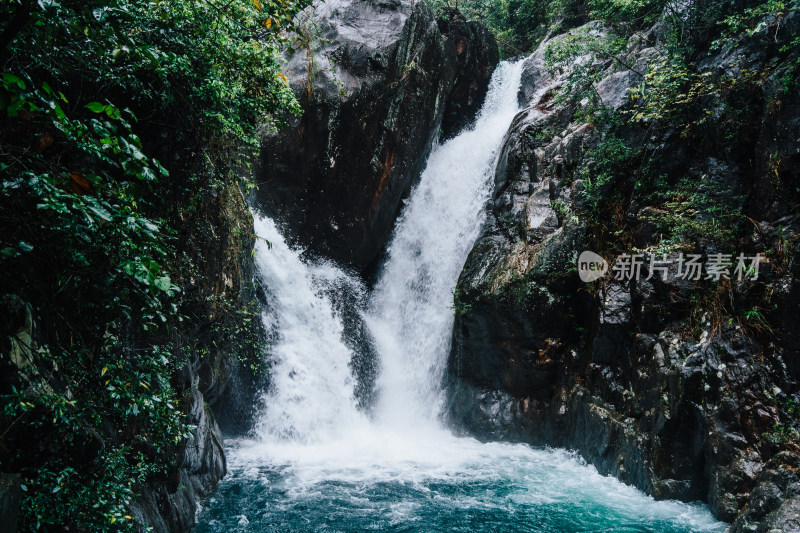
611 368
374 83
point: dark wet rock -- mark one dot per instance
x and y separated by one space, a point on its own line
774 503
374 87
477 55
612 340
10 492
16 336
511 340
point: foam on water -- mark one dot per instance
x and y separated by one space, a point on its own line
387 478
317 462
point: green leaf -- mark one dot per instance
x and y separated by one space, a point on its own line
8 251
149 225
101 212
160 168
59 112
142 275
128 267
163 283
25 247
96 107
112 111
14 107
151 265
9 79
147 174
136 153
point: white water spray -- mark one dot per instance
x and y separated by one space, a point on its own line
311 386
411 315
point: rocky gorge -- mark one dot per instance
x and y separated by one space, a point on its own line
680 401
294 309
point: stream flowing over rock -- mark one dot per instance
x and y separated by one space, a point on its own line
375 84
608 368
317 459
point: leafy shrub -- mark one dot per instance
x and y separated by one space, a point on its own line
92 94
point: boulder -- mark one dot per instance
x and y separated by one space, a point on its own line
374 83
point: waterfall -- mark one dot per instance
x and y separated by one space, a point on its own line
311 394
316 461
411 314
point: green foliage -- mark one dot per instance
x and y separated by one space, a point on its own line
670 89
460 305
613 159
130 396
696 211
519 25
237 331
636 12
93 94
788 431
561 210
673 94
219 61
765 18
781 435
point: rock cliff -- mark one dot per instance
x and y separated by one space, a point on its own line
375 81
685 390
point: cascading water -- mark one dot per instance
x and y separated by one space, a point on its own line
411 313
311 393
317 462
